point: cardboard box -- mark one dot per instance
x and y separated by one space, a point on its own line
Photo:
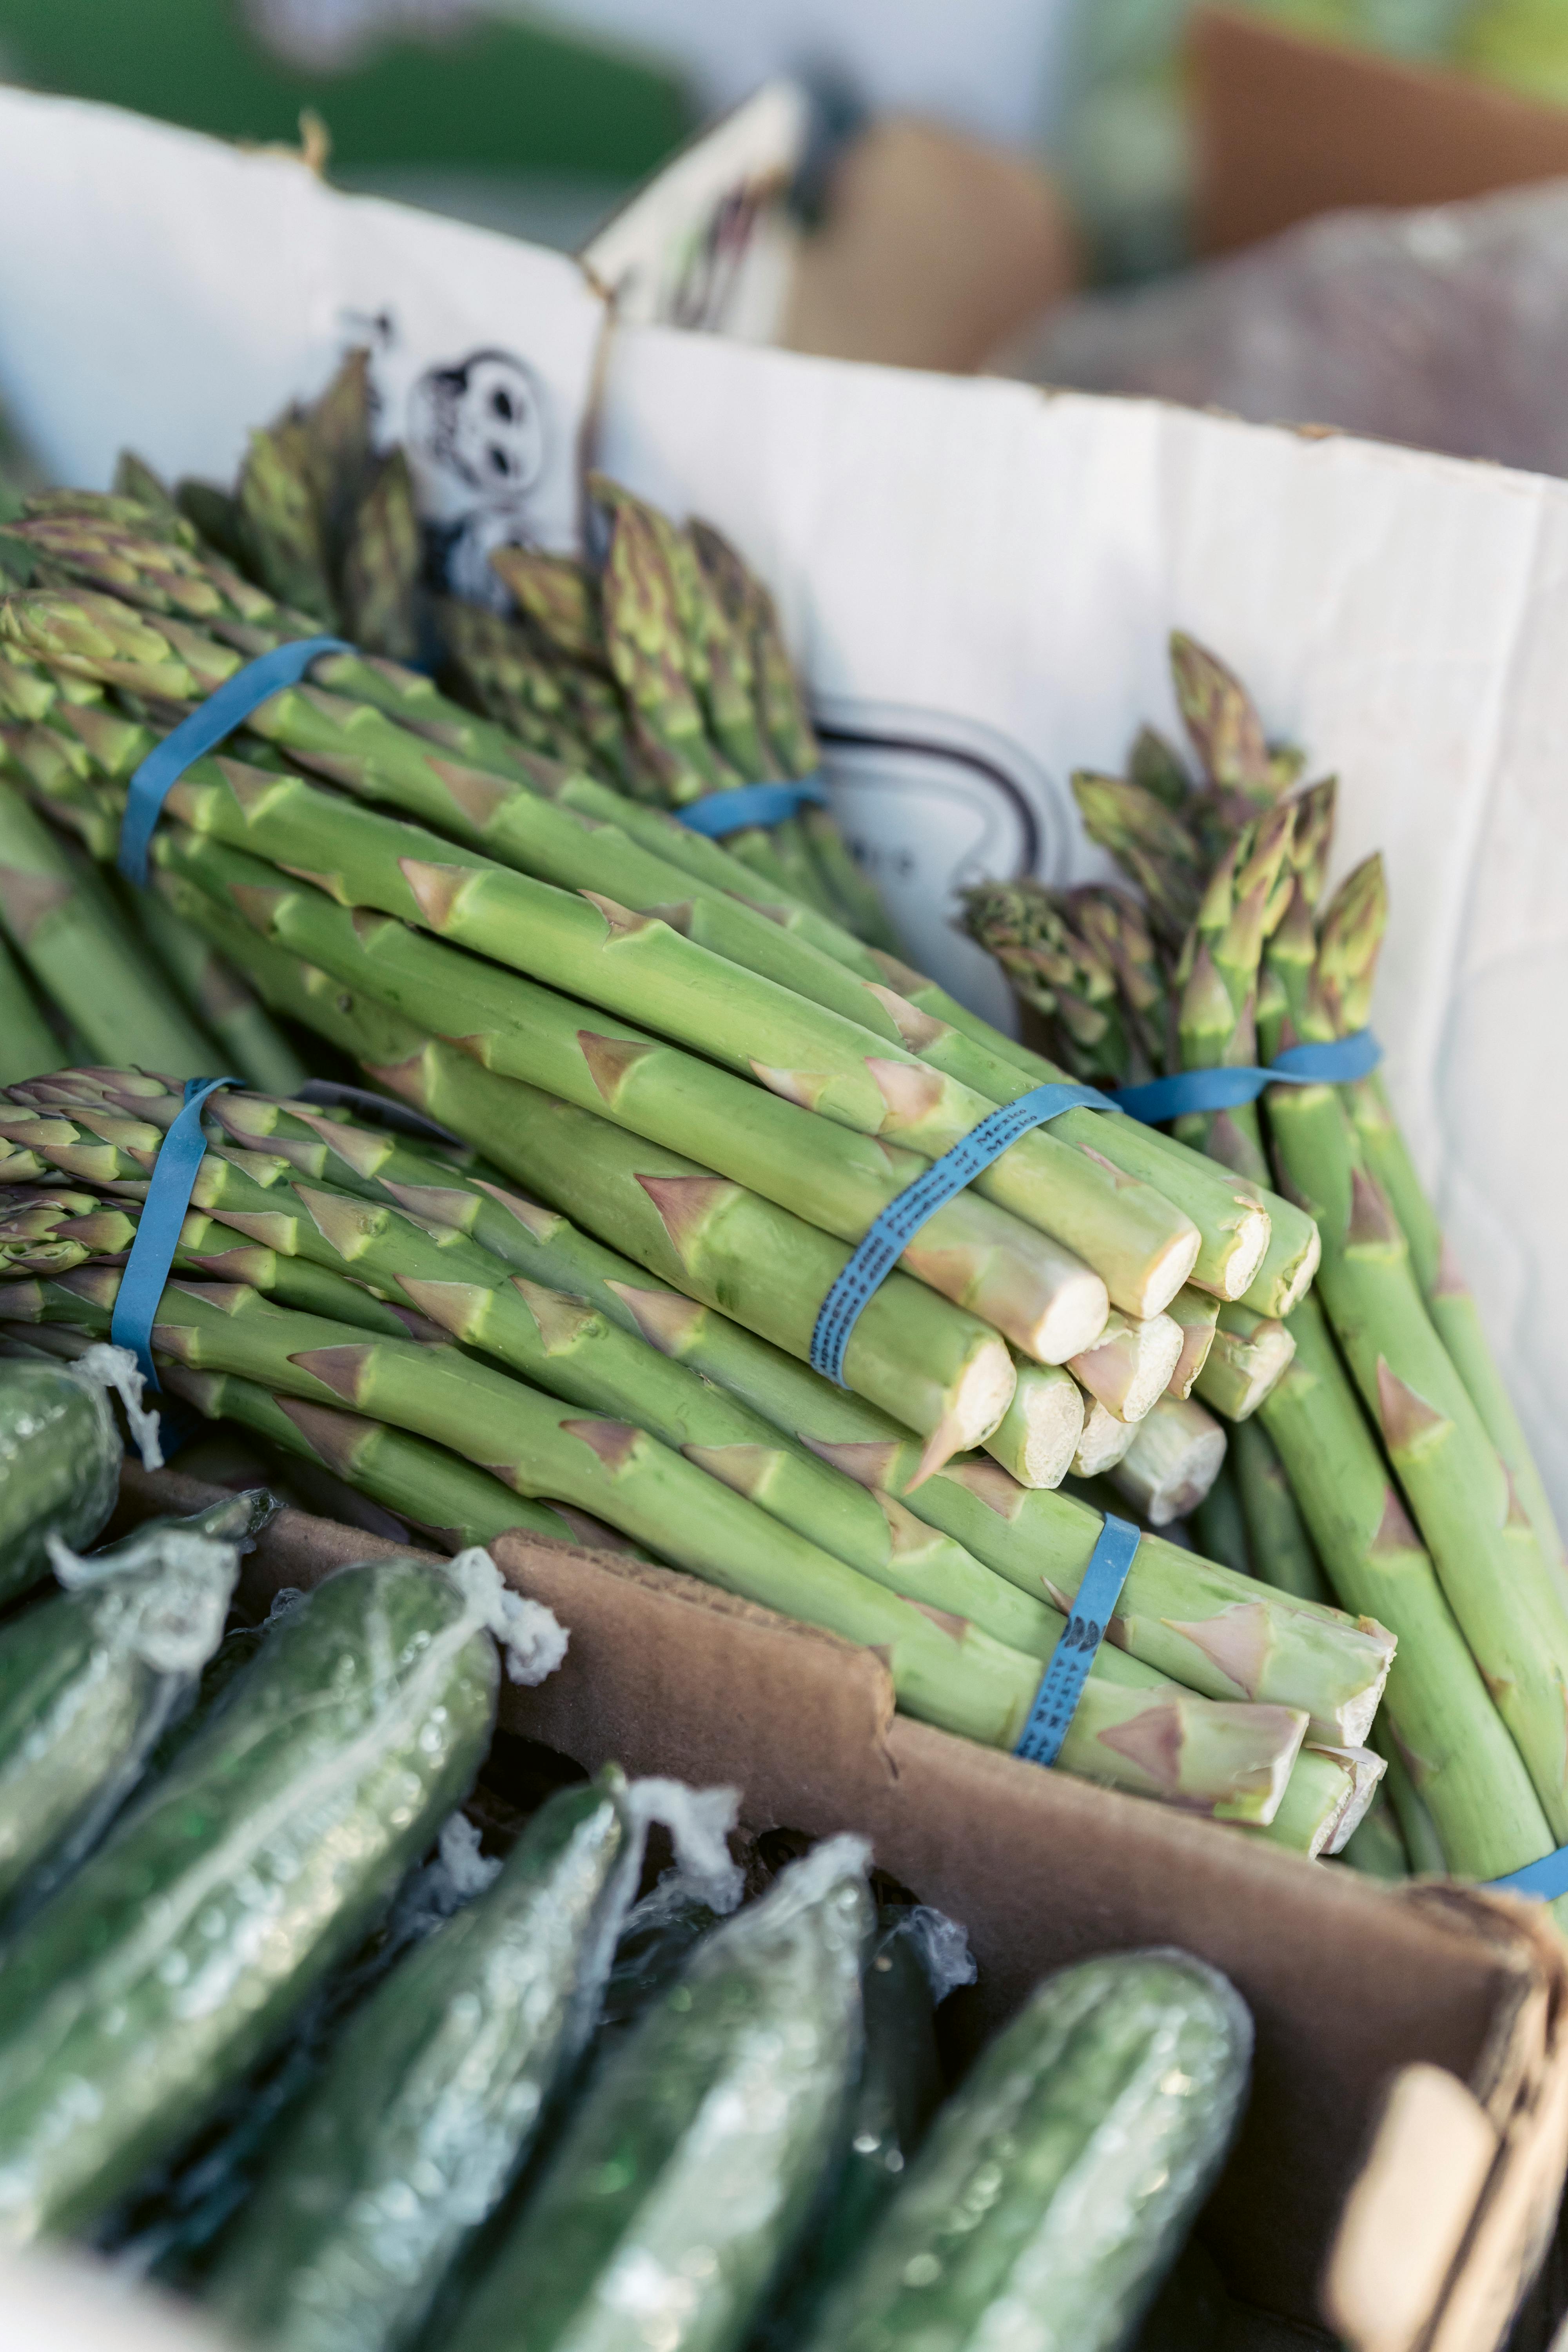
1287 126
1403 2149
925 248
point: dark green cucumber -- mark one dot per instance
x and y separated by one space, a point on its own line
684 2177
431 2096
1058 2183
655 1945
59 1465
89 1680
179 1953
897 2095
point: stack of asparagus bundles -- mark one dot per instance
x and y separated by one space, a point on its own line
1386 1464
449 1345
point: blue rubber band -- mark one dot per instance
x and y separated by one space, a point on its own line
1094 1605
743 805
158 1229
871 1260
1542 1881
228 707
1336 1062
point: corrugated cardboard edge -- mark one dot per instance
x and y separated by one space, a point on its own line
1507 2130
803 1724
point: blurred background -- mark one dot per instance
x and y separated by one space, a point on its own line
1339 212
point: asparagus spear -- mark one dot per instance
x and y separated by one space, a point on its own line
1172 1463
980 1255
1220 1525
442 1496
59 919
1330 1790
27 1045
249 1040
1278 1543
1451 1736
1040 1434
1450 1302
1248 1355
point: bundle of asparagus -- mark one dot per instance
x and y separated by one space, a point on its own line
1094 1211
1387 1465
330 1267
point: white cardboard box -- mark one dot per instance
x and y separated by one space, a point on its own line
978 577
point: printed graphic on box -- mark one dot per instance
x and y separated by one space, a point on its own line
931 803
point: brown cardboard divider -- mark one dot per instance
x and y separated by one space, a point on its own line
1289 125
1350 1986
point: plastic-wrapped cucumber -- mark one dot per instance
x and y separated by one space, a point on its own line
1058 2183
897 2095
432 2096
179 1952
654 1943
89 1681
60 1457
683 2178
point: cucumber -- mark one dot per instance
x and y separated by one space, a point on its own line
897 2093
654 1943
683 2180
177 1955
89 1680
60 1464
432 2096
1058 2183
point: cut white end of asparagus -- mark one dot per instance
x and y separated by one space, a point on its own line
1102 1442
1037 1436
1130 1364
1172 1461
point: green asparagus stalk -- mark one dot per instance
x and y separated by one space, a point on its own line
1041 1296
1216 1023
1417 1829
1481 1543
440 1495
1040 1434
1451 1737
1279 1544
1248 1356
1450 1304
380 564
58 918
279 522
1220 1525
250 1043
27 1045
1172 1463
